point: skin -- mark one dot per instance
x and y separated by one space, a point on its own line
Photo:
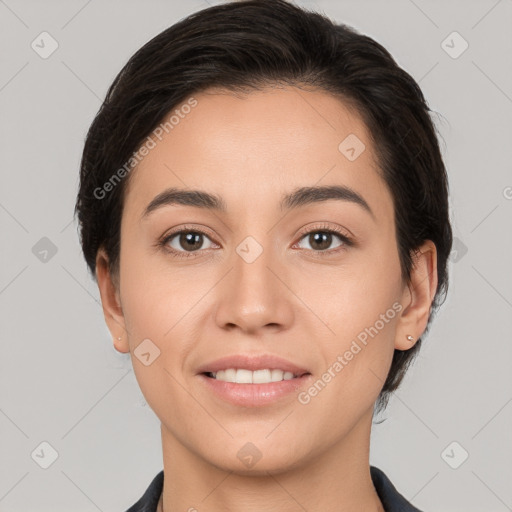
251 150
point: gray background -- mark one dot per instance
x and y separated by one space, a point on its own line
61 381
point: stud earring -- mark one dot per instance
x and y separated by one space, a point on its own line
119 338
410 338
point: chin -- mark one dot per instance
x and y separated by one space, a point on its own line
262 467
257 457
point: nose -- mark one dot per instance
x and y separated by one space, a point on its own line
255 296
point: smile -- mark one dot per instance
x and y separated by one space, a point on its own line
243 376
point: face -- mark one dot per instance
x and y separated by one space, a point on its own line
316 283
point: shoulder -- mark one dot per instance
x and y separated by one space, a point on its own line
391 499
149 500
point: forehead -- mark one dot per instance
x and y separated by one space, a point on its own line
251 149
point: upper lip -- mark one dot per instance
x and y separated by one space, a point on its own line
252 362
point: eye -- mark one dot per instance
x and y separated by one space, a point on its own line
187 241
184 242
321 238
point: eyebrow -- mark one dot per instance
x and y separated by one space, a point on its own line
302 196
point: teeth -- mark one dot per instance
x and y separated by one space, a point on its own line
242 376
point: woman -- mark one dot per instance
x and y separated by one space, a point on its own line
264 207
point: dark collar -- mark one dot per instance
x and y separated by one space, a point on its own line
391 499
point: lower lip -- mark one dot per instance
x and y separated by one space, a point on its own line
254 395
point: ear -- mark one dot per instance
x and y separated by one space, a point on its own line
111 303
418 296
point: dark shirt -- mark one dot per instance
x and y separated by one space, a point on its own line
391 499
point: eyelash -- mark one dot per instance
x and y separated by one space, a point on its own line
347 241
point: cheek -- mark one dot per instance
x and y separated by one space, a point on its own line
148 295
157 318
355 363
351 295
160 304
358 307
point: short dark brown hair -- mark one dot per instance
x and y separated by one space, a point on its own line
247 45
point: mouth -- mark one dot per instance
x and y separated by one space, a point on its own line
253 380
245 376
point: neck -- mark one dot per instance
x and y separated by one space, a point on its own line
336 480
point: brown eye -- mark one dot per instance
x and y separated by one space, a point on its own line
321 240
185 241
190 241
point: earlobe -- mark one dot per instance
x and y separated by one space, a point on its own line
110 301
121 345
418 295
